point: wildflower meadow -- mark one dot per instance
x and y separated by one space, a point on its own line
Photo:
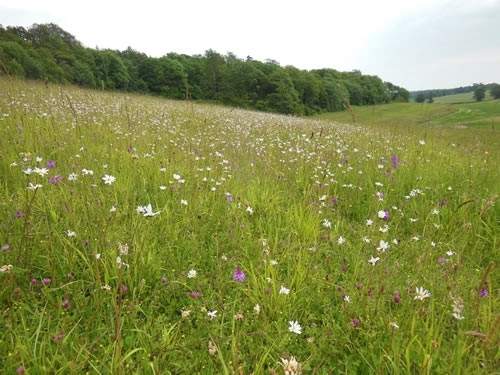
148 236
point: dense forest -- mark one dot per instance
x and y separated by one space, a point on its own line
45 51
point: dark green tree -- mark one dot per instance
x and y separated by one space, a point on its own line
212 71
171 78
284 99
479 93
420 98
111 69
495 90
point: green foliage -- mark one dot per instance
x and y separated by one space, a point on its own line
495 90
479 93
420 98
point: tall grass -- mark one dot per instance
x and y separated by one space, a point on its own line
272 243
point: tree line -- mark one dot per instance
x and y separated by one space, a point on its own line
477 90
45 51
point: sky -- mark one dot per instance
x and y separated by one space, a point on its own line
418 45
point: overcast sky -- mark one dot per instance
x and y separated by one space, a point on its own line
419 44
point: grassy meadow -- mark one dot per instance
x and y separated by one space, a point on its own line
148 236
482 116
466 97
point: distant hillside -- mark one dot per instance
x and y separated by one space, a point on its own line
435 93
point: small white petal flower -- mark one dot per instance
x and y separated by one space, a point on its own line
421 294
212 314
295 327
192 274
148 210
34 187
383 246
458 316
40 171
108 179
256 309
284 290
373 260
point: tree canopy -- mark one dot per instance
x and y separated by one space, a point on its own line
45 51
479 93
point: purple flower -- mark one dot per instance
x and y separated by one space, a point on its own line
6 247
55 180
20 370
442 260
66 304
355 322
163 280
18 214
443 202
194 294
394 159
239 275
397 298
229 197
51 164
46 281
484 293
